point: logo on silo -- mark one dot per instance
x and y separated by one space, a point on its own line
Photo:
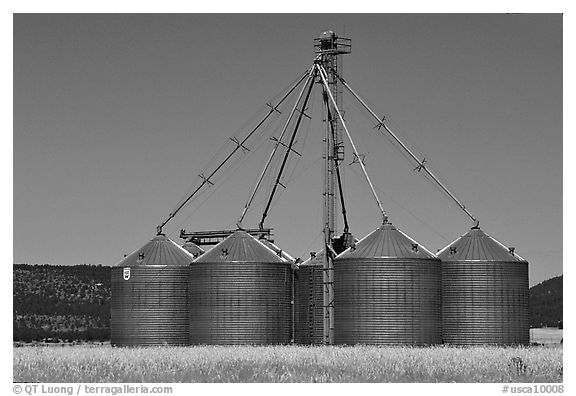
126 273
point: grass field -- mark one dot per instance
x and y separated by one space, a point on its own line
287 364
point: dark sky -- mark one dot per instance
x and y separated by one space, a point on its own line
116 115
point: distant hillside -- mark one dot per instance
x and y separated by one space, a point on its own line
546 303
61 302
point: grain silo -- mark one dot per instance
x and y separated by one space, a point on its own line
485 292
149 304
387 291
309 314
240 293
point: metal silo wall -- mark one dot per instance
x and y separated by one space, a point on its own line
485 303
240 303
387 301
309 302
150 308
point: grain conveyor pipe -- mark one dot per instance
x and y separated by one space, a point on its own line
206 180
278 143
322 73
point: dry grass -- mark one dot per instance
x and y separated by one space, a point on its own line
287 364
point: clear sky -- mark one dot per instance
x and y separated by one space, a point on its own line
115 116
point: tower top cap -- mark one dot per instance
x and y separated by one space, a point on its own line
327 34
330 43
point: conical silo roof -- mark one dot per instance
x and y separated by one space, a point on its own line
193 249
387 241
161 250
242 247
477 245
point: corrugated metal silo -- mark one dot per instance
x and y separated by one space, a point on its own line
485 292
149 304
309 315
240 293
387 290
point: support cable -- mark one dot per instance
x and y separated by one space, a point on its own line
310 81
206 179
421 163
327 87
278 144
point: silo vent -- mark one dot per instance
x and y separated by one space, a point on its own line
452 250
415 247
351 242
279 252
511 250
312 254
224 253
141 256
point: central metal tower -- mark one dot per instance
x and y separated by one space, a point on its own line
329 49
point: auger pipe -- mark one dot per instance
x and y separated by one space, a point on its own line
207 179
418 161
289 148
327 89
269 161
337 166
